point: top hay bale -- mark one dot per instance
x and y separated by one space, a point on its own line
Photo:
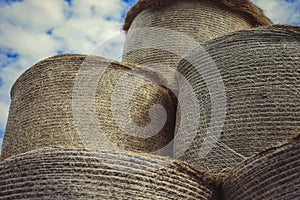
63 101
199 20
244 7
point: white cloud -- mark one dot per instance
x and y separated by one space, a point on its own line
281 11
75 28
32 14
28 42
3 114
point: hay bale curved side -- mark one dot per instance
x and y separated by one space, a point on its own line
89 174
41 112
201 20
273 174
260 71
246 7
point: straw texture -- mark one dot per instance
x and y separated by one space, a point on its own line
245 7
88 174
42 112
161 31
273 174
200 20
261 74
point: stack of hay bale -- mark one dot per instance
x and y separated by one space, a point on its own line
85 127
56 148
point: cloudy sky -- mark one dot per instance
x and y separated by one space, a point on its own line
32 30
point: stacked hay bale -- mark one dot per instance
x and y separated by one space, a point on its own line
46 156
255 74
161 32
62 102
72 116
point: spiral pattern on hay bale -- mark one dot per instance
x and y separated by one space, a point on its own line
273 174
43 112
88 174
260 72
199 19
244 7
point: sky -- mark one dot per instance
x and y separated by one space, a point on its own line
32 30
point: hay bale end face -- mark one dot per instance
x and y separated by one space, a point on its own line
272 174
49 106
89 174
259 69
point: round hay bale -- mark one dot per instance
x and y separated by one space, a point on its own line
200 20
258 77
88 174
161 32
63 102
243 7
273 174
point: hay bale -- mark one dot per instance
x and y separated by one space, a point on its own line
244 7
258 77
273 174
63 102
200 20
88 174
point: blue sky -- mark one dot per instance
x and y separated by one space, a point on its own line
32 30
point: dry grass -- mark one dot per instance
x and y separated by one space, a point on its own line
244 7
